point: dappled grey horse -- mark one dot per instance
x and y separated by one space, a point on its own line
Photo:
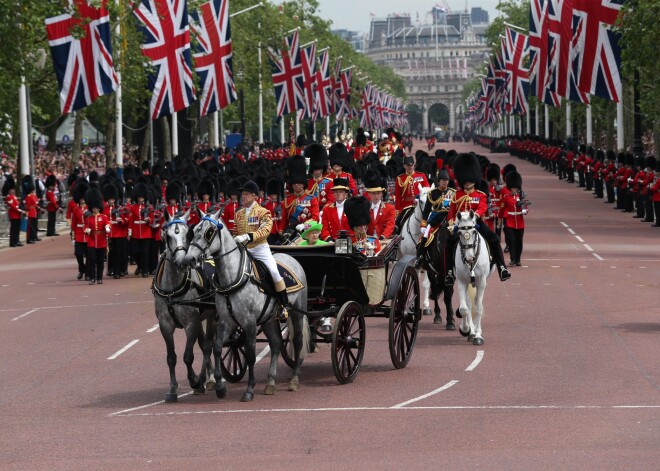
240 302
179 303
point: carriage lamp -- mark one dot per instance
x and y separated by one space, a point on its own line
343 245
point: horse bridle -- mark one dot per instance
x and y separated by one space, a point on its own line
466 246
176 231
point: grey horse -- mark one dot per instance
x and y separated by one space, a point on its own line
240 302
179 303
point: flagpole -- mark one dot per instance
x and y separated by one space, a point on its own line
282 141
620 142
327 126
175 135
216 130
569 123
25 133
528 122
261 96
589 125
119 130
547 122
536 120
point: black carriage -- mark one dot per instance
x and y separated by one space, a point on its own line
349 287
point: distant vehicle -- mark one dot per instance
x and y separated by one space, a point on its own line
441 135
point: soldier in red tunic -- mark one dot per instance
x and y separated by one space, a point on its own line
407 188
232 206
514 208
97 230
14 211
78 226
141 218
31 204
118 217
383 215
655 194
340 161
274 207
53 205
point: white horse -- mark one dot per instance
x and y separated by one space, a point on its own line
411 232
472 268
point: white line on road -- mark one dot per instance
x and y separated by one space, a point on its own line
263 353
476 361
351 409
26 314
579 239
80 305
563 224
146 405
424 396
571 231
588 247
122 350
597 256
152 329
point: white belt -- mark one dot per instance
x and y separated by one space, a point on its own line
515 213
139 222
80 225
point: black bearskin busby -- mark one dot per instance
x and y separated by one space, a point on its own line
109 192
51 181
467 169
513 180
140 190
174 191
297 170
79 190
274 187
651 162
206 187
508 168
10 184
94 199
318 156
27 185
357 211
493 172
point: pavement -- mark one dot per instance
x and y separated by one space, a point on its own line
568 378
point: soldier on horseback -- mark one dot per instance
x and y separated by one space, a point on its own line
468 175
435 210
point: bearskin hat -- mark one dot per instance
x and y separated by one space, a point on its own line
467 169
297 170
140 190
109 192
174 191
493 172
508 168
621 158
155 193
80 188
513 180
274 187
339 156
301 140
650 162
630 159
94 199
10 184
610 155
600 155
206 187
50 181
233 187
357 211
27 185
318 156
361 139
94 176
440 153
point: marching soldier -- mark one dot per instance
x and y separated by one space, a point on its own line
53 205
173 194
97 229
608 175
78 226
31 204
597 174
119 218
494 187
274 207
514 208
140 228
648 184
253 226
655 194
232 206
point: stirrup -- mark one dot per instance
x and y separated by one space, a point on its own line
504 274
449 278
282 314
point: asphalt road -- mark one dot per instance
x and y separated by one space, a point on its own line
568 377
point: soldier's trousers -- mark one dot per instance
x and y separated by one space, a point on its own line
118 256
581 178
639 205
656 207
628 201
610 192
50 228
516 242
598 187
80 251
14 231
648 204
620 198
589 178
141 254
95 259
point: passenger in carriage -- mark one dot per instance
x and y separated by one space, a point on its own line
357 212
311 234
334 217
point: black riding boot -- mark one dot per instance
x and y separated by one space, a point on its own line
450 248
282 313
421 250
498 257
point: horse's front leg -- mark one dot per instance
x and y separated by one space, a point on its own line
272 332
192 336
207 348
426 289
166 325
479 313
448 293
300 341
250 358
221 336
464 310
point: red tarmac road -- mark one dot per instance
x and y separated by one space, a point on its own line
568 376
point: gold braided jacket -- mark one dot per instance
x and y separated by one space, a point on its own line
259 224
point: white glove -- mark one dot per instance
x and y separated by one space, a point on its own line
525 211
300 227
88 231
241 239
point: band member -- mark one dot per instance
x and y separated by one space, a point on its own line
334 219
317 186
357 212
655 195
514 207
253 226
494 187
407 188
97 230
173 196
14 211
468 174
78 226
206 192
119 219
140 228
53 205
383 215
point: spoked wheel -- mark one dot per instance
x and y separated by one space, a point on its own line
233 364
404 319
287 345
348 342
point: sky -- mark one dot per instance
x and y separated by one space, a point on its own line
354 15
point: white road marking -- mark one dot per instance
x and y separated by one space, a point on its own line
351 409
583 266
571 231
263 353
123 349
146 405
476 361
424 396
579 239
563 224
152 329
598 256
26 314
555 266
76 305
31 284
612 267
642 268
588 247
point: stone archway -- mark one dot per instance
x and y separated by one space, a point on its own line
438 115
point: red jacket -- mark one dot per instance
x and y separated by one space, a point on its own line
406 189
52 202
12 207
229 214
275 210
655 191
514 213
78 223
140 224
332 224
97 229
69 209
31 205
118 222
476 201
298 209
383 224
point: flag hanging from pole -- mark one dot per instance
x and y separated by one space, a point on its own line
83 64
164 24
308 62
213 58
518 74
288 76
323 106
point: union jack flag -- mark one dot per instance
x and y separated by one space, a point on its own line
597 47
518 75
336 87
324 85
344 110
308 62
538 51
366 106
83 64
213 60
288 76
167 45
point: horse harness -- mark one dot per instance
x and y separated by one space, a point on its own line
475 245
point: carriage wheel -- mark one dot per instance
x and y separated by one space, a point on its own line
404 319
233 365
286 341
348 342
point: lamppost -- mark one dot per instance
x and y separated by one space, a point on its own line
241 102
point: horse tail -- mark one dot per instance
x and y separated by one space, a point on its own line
305 337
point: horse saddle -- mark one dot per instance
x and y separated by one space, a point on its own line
402 218
265 280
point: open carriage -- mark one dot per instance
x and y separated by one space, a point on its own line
349 286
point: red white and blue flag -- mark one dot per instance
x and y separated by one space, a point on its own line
288 76
344 110
308 62
336 87
83 64
324 83
213 57
164 24
538 53
367 107
517 73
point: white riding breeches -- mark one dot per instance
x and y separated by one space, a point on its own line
263 254
425 231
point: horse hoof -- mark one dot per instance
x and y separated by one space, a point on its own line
450 327
199 391
294 385
269 390
464 334
426 312
171 397
247 397
210 385
478 341
458 314
437 320
221 392
470 337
